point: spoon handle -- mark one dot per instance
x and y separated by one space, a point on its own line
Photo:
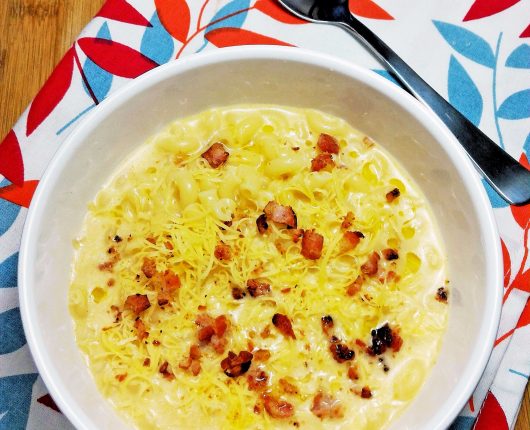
509 178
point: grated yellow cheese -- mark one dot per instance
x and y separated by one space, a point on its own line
168 192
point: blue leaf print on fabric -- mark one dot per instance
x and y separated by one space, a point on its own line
157 43
526 146
8 211
235 21
8 271
15 400
517 106
99 80
12 331
467 43
495 200
463 93
520 57
462 423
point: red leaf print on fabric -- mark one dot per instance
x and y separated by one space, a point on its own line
524 319
116 58
506 263
19 194
120 10
11 163
526 32
368 9
521 214
223 37
47 400
51 93
483 8
175 17
522 281
274 10
491 415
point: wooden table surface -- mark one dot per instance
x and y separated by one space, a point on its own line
34 36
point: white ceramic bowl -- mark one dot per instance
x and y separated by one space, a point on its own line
284 76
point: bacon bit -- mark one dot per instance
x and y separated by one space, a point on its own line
392 276
172 281
141 332
296 234
238 293
235 365
117 313
203 320
107 266
384 337
151 239
216 155
111 282
287 387
258 288
341 352
285 290
165 372
280 214
397 341
195 367
167 284
266 332
168 245
442 295
350 240
147 362
156 342
283 324
163 298
352 373
312 244
327 324
366 393
121 377
371 267
223 252
219 343
322 161
257 380
348 221
192 362
277 408
262 355
360 343
392 195
390 254
325 406
149 267
137 303
327 143
221 324
355 286
205 333
295 148
261 223
250 345
201 308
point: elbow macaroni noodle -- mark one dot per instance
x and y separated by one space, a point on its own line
167 191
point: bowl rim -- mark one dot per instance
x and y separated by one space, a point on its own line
481 353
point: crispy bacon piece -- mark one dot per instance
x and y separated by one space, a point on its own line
442 295
384 337
355 286
390 254
257 380
312 244
192 362
366 393
149 267
341 352
261 223
262 355
287 387
147 362
216 155
223 252
151 239
266 332
277 408
258 288
164 370
392 276
322 161
221 324
235 365
137 303
205 333
121 377
168 245
392 195
111 282
195 367
325 406
327 325
352 373
296 234
327 143
238 293
141 331
280 214
218 343
371 266
350 240
283 324
213 330
348 220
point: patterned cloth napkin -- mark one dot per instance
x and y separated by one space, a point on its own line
475 53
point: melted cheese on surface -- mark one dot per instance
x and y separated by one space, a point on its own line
169 192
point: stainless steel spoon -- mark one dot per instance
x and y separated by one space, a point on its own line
509 178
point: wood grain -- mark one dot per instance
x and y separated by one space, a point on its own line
35 35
